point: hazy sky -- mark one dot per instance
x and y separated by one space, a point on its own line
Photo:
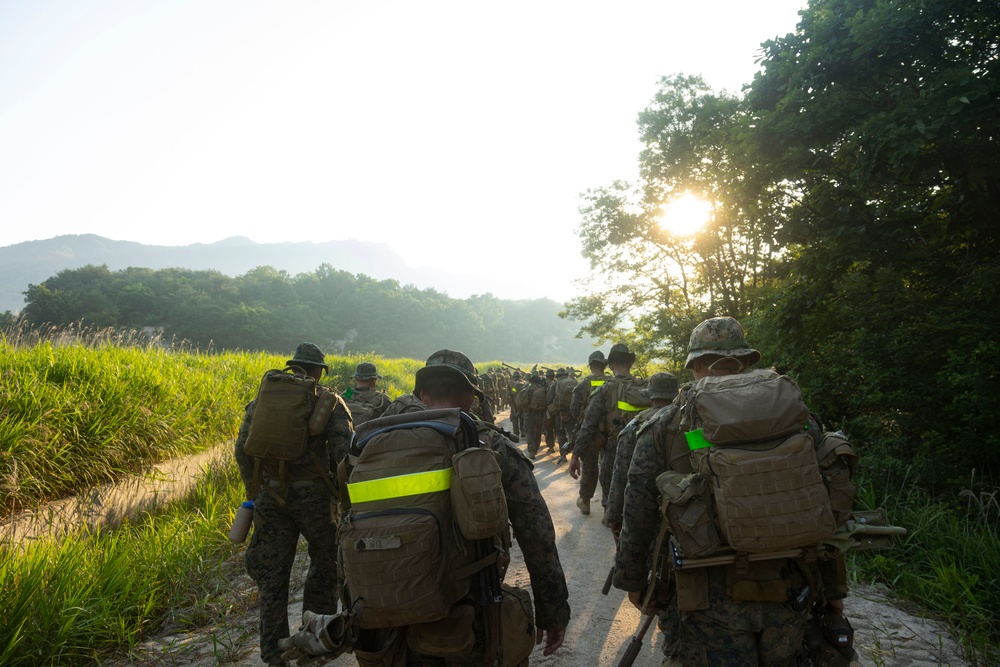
451 131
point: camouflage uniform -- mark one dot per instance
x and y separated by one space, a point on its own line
532 528
374 402
404 403
716 628
580 399
534 419
562 419
549 427
377 400
305 510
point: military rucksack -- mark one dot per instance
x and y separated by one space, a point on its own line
623 400
408 555
539 397
290 409
757 485
564 392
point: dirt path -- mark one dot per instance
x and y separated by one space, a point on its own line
600 627
106 505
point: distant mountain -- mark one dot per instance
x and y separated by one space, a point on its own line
31 262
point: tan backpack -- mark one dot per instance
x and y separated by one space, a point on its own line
623 400
289 410
757 477
408 556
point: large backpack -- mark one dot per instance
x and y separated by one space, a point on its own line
564 392
623 400
421 507
290 409
539 397
757 485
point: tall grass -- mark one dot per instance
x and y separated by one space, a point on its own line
89 596
948 562
75 414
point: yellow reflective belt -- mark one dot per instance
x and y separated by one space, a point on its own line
628 407
399 486
596 383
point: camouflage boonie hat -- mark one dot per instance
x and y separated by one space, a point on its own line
621 354
723 336
308 354
550 373
561 373
366 371
661 385
449 362
597 357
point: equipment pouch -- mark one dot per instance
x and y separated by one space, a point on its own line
477 498
692 589
381 648
686 501
451 637
517 626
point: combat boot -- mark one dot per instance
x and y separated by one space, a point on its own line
584 506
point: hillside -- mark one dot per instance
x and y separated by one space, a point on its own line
32 262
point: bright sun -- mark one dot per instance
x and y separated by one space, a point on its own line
686 215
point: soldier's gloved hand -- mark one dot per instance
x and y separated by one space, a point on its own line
320 634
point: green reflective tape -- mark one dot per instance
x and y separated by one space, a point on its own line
628 407
400 486
696 440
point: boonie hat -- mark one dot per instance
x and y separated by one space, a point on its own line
661 385
723 336
308 354
366 371
448 362
620 354
597 357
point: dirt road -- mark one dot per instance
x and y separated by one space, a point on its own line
600 627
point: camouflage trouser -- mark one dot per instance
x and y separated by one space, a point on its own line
741 634
606 463
588 475
516 420
271 552
549 430
534 420
562 426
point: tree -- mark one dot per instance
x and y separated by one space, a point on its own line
878 121
658 283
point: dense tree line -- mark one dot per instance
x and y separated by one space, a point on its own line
267 309
856 190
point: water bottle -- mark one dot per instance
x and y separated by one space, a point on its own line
241 524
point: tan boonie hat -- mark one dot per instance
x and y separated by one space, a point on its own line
308 354
661 385
723 336
452 363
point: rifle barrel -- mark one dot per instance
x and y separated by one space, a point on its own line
635 644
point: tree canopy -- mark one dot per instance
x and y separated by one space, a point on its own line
854 194
267 309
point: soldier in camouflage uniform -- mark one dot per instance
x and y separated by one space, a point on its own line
662 390
534 418
449 380
372 402
304 510
549 427
593 448
564 384
736 614
581 397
